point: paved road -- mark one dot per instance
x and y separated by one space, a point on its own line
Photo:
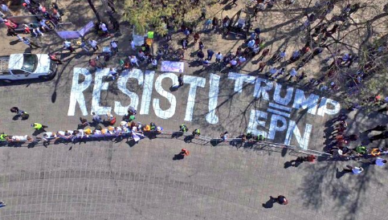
106 180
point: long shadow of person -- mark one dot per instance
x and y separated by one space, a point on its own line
294 163
177 134
269 203
189 139
37 132
178 157
16 117
340 174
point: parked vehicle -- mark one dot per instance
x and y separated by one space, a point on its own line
26 66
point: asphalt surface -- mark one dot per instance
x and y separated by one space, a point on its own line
108 180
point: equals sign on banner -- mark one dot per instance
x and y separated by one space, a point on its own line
279 109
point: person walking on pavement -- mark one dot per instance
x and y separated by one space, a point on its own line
67 46
2 204
27 42
39 127
184 153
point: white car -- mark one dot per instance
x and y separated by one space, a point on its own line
26 66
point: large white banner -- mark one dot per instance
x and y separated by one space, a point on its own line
277 116
170 66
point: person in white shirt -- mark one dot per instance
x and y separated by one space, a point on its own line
113 73
5 8
103 27
47 137
113 46
295 55
282 55
241 60
96 118
19 138
233 63
67 45
354 170
154 62
379 162
133 60
93 44
292 73
27 42
224 136
20 38
133 46
219 57
273 71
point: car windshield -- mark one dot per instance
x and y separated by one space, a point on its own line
30 62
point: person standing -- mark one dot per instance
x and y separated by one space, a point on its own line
10 24
11 32
133 46
19 112
67 46
210 54
183 128
196 37
282 200
5 8
185 152
54 57
103 28
196 132
354 170
224 136
27 42
379 162
113 73
133 60
180 79
96 118
219 57
113 46
292 74
261 66
93 44
39 127
200 45
3 137
2 204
